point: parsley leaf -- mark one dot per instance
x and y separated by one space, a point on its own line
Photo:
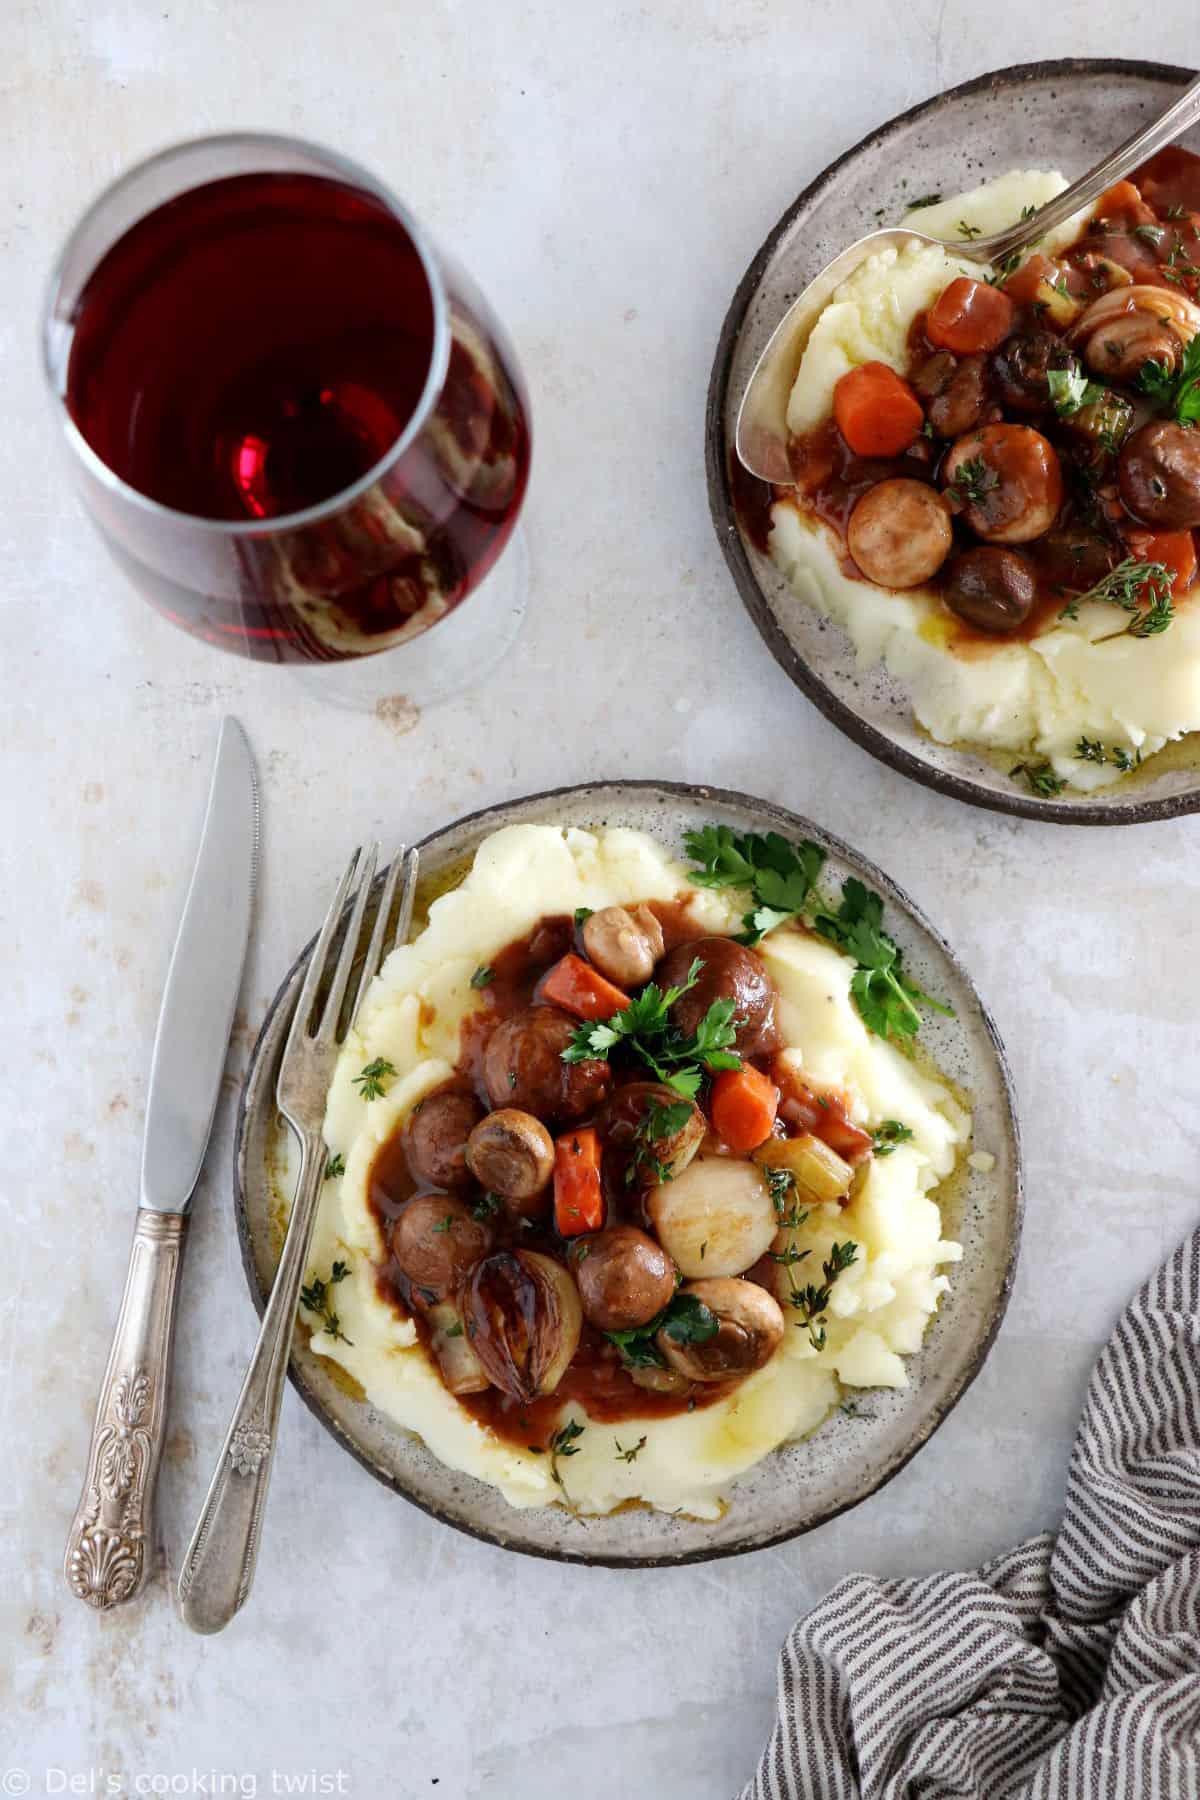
684 1319
1179 390
1070 390
483 976
335 1166
645 1028
887 999
779 875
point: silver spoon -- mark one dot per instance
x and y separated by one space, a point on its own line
761 435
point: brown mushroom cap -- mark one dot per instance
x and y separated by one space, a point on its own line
435 1138
624 1277
750 1328
436 1242
511 1153
624 943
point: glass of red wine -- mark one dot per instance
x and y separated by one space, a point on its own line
298 427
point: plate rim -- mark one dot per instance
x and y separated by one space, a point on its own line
780 816
723 514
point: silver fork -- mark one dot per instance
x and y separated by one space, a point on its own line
219 1566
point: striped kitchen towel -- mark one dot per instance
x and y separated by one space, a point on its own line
1067 1669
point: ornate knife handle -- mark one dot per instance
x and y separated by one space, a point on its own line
107 1551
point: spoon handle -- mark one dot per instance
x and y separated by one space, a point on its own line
1169 125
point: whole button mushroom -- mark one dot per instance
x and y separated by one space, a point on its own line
512 1153
750 1328
436 1242
1008 481
992 589
728 971
1022 365
624 943
435 1138
523 1068
1159 474
899 533
624 1277
1134 325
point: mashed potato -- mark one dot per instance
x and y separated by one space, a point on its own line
881 1305
1036 698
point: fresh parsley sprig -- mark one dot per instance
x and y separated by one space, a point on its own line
1070 390
645 1028
888 1000
1176 389
684 1319
315 1298
779 875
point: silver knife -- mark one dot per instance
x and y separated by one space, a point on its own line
108 1558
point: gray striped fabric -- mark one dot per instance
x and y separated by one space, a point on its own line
1068 1669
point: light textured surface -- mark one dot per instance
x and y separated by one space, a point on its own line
606 176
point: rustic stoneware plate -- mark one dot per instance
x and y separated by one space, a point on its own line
847 1458
1056 115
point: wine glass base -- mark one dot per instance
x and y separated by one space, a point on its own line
458 653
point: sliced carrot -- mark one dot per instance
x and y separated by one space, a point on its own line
1176 550
1022 285
969 316
1125 199
579 989
578 1195
742 1106
877 413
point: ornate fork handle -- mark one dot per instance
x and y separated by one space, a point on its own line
107 1561
218 1569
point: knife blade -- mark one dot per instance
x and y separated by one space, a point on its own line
205 973
107 1560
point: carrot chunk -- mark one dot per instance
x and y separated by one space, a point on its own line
742 1106
579 989
578 1195
969 316
1176 550
877 413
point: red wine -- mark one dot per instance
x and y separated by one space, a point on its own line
253 349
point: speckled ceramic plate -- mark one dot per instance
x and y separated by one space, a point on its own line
1042 115
847 1458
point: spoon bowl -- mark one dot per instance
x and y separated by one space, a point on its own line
761 434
